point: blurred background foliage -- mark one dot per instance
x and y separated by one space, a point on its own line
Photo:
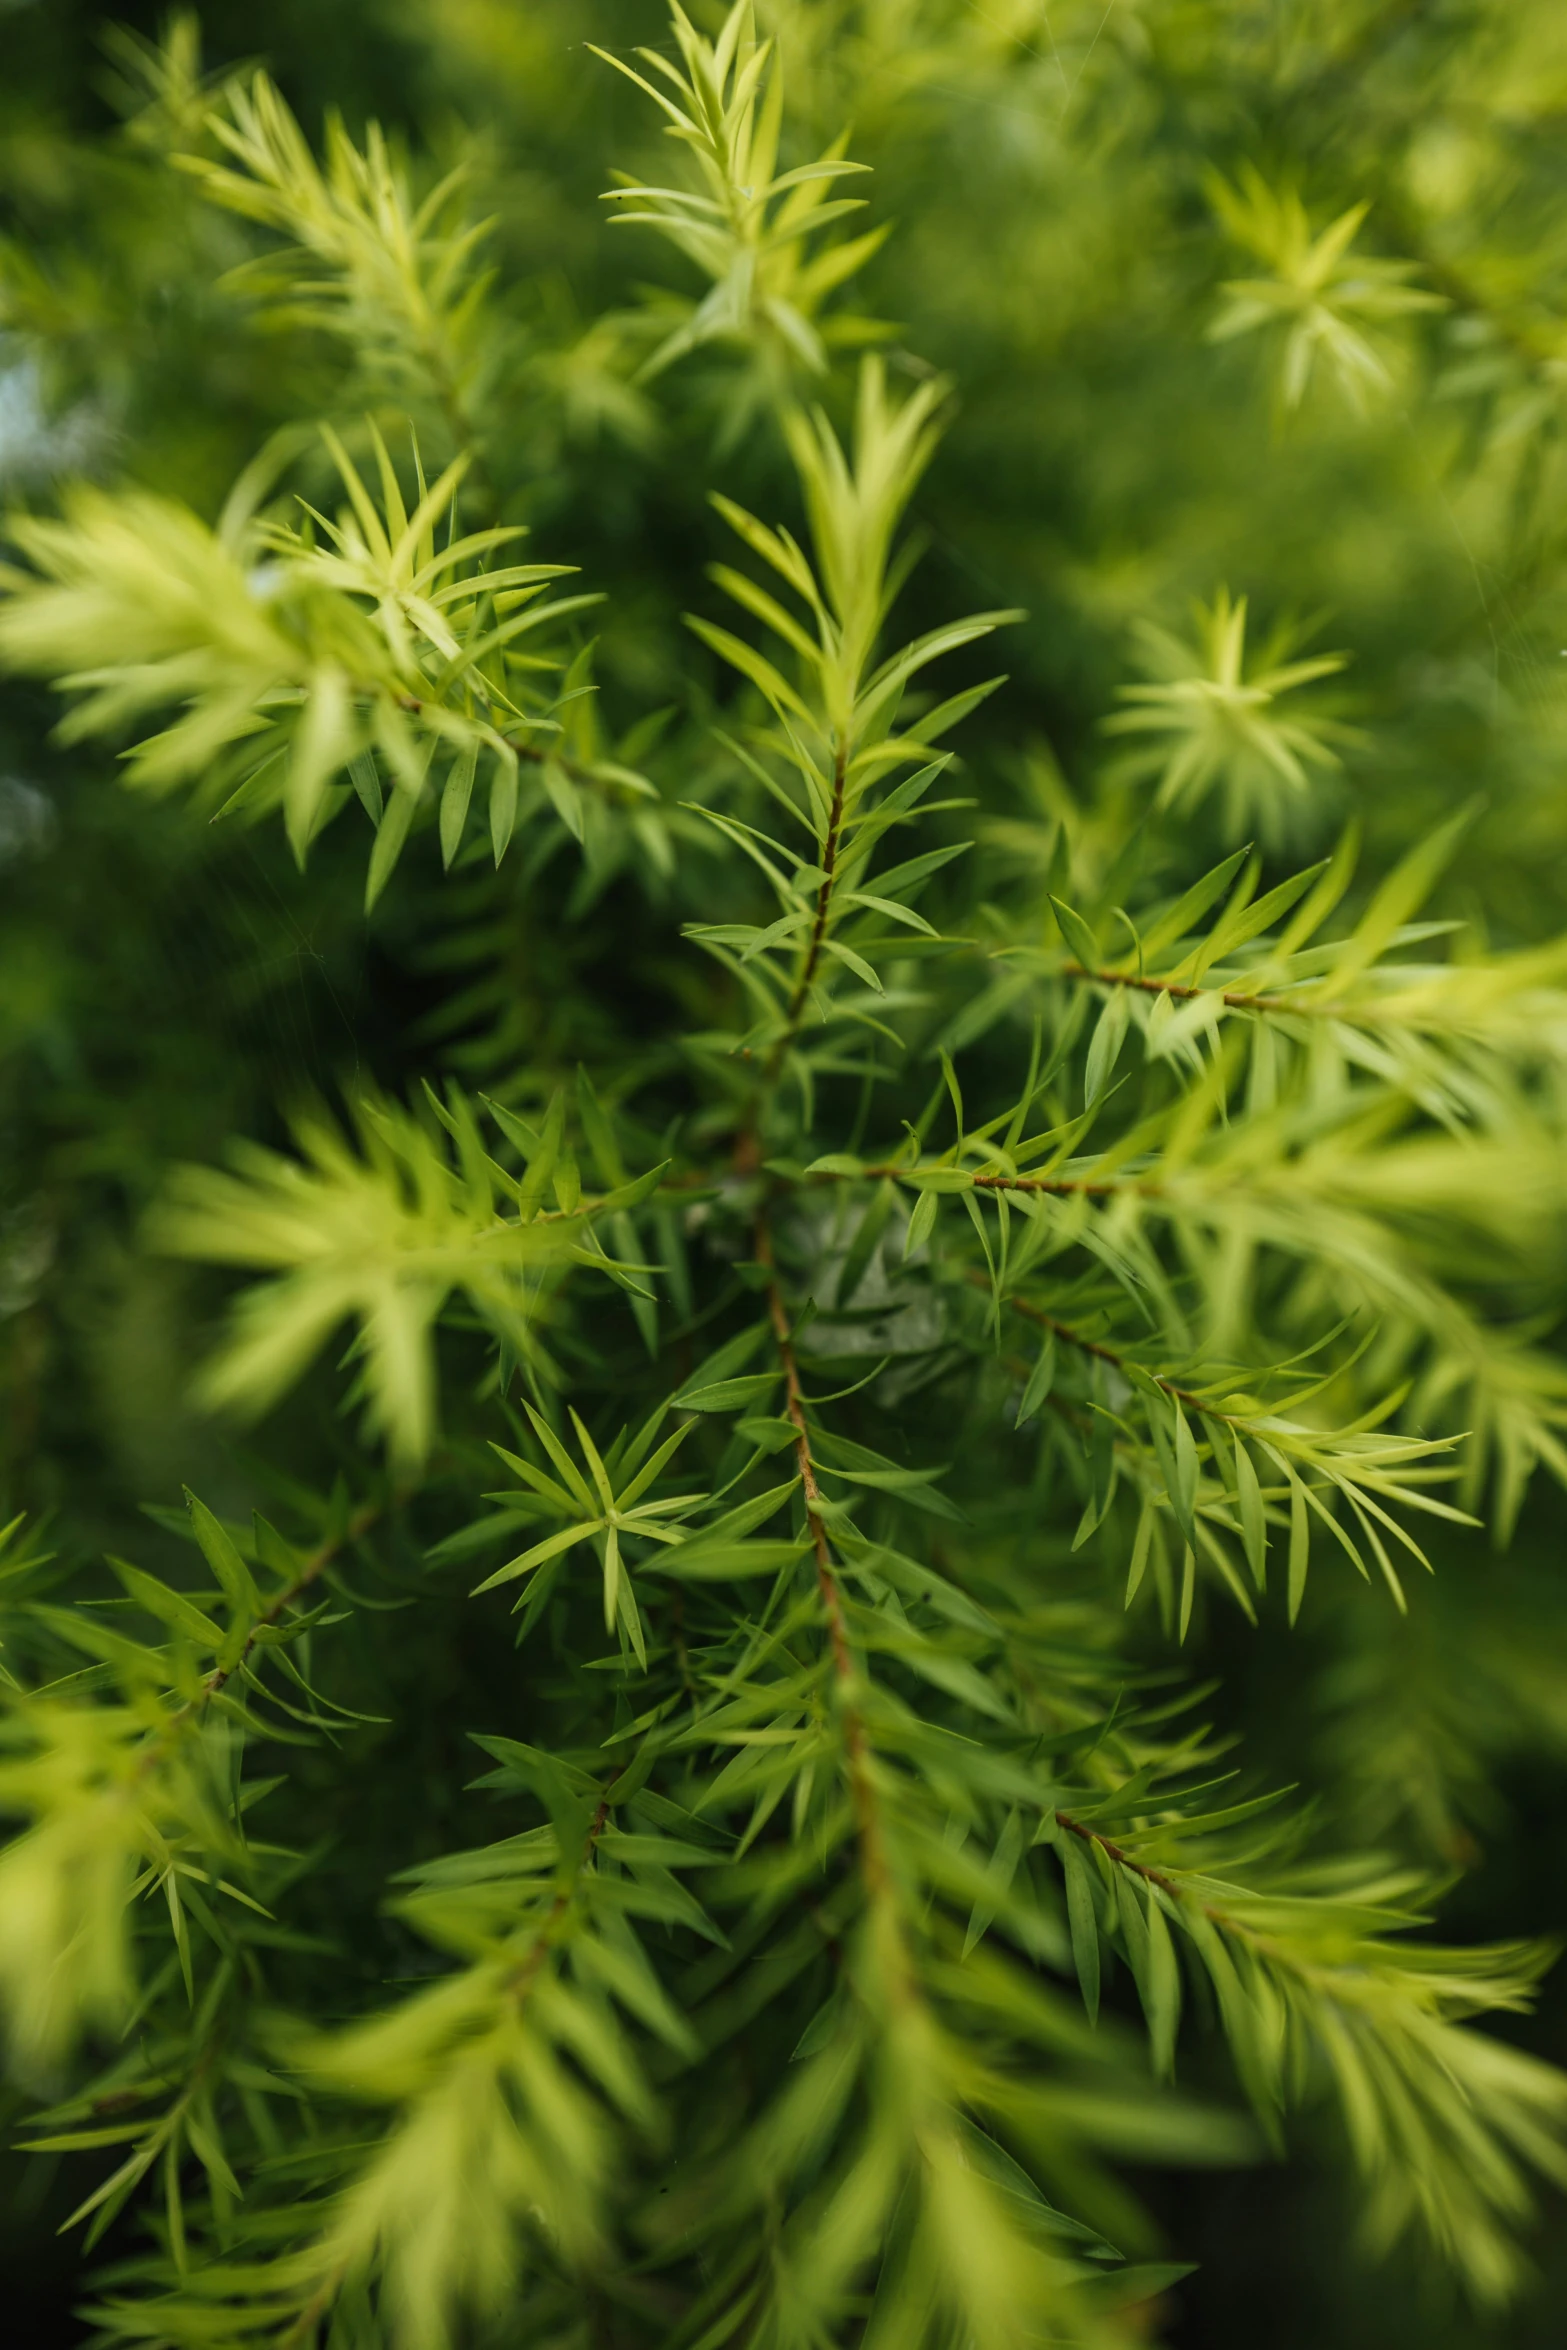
1258 319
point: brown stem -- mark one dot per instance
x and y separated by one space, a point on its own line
1106 1354
1266 1945
824 891
748 1143
522 1980
1183 994
1060 1186
313 1568
827 1583
1063 1186
747 1160
1124 1860
794 1407
1300 1007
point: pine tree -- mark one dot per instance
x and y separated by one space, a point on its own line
856 1224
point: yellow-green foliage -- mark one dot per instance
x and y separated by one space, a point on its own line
879 1217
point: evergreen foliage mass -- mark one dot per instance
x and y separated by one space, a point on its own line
864 1354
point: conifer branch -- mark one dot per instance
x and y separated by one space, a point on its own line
354 1528
824 896
844 1668
831 1760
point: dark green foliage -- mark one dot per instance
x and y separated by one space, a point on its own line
808 1234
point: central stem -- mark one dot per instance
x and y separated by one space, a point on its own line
855 1747
311 1569
748 1149
813 953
